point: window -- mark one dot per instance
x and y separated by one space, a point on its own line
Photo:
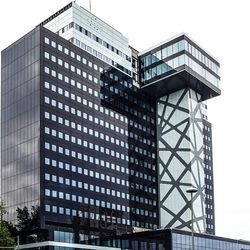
60 76
78 71
67 196
73 197
53 73
72 68
47 145
54 193
54 178
66 51
60 62
66 93
53 58
66 65
47 208
61 210
47 192
54 163
60 47
54 209
46 130
80 199
67 166
46 40
46 55
60 180
53 44
78 57
53 103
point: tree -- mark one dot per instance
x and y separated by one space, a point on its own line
28 225
28 221
23 218
5 238
2 211
12 229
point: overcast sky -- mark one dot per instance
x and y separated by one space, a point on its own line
222 27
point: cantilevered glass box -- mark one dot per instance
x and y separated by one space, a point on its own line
176 64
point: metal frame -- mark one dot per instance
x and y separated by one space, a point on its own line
63 244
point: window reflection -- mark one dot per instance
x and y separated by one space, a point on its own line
175 48
182 241
173 64
20 124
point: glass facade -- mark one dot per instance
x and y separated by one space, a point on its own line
166 59
20 123
179 240
94 37
183 241
139 109
153 240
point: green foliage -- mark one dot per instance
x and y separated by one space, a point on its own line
12 229
28 225
28 221
2 211
5 237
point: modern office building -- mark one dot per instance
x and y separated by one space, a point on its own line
104 139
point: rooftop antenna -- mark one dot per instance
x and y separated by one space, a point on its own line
89 5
